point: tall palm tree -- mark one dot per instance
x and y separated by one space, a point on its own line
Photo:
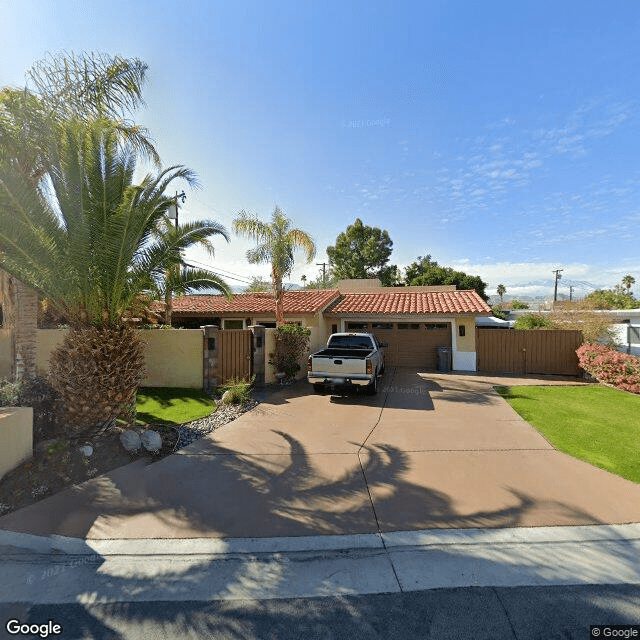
84 238
61 86
628 282
501 290
276 244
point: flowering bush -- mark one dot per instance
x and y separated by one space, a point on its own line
611 367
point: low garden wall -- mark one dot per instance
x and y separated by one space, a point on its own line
16 437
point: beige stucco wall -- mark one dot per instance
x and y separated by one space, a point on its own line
468 341
5 353
174 357
47 341
16 437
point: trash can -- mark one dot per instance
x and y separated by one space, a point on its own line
444 359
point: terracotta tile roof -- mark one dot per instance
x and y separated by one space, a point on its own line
295 302
411 302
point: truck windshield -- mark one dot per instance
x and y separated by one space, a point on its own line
351 342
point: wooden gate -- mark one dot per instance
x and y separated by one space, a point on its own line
234 354
528 351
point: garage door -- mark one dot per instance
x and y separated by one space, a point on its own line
411 344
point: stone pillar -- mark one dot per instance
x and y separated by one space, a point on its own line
210 357
258 354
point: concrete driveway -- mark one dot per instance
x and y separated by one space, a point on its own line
429 451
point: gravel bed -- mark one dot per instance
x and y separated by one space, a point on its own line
191 431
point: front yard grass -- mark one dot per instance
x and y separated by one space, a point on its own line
597 424
172 405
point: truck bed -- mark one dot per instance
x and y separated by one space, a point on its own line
343 353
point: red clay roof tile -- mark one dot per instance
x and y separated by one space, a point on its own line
295 302
411 302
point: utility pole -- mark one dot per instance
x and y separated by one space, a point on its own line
324 273
555 290
570 293
172 212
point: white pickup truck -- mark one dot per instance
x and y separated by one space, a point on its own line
349 359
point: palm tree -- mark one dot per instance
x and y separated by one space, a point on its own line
276 244
181 278
84 238
62 86
628 282
501 290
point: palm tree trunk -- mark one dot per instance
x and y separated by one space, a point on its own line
168 307
278 293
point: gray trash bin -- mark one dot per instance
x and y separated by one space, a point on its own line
444 359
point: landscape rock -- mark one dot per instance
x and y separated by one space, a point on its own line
86 450
151 441
130 440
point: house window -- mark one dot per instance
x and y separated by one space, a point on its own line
382 326
433 326
357 326
334 328
408 325
234 324
266 325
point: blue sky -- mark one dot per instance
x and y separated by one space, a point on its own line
502 138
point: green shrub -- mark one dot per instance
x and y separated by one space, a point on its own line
292 341
499 312
239 390
533 321
516 304
9 393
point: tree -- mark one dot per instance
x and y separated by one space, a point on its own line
362 252
257 285
533 321
83 237
610 299
628 282
182 278
276 244
425 271
501 290
61 87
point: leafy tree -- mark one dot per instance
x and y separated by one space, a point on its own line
517 304
533 321
362 252
609 299
257 285
501 290
276 244
425 271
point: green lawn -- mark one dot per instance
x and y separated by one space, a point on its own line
172 406
596 424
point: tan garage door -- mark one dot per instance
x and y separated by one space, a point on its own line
411 344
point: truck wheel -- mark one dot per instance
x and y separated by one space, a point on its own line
318 387
372 388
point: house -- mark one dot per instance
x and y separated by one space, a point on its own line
413 321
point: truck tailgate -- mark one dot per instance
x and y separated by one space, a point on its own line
339 366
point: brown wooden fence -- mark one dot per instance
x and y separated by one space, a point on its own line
528 351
